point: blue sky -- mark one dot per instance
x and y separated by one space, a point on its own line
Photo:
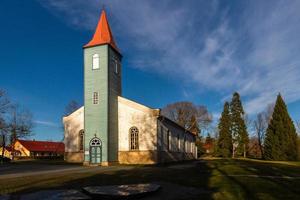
200 51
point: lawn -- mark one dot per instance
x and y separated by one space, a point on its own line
221 178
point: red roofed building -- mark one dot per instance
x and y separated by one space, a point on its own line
32 148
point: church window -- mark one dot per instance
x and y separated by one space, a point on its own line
134 138
81 137
184 144
178 142
96 61
96 98
169 140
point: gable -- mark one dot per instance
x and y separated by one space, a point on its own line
136 106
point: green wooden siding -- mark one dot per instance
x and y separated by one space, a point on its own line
101 119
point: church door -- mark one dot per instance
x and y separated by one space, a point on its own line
95 151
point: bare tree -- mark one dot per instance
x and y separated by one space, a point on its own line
4 102
3 133
254 148
188 115
19 125
260 125
4 106
71 107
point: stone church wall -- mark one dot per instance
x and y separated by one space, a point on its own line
73 124
75 157
132 114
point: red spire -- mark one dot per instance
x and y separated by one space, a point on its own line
102 34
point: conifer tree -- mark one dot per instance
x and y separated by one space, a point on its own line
238 127
281 136
224 143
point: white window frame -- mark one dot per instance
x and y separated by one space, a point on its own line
178 142
134 139
96 61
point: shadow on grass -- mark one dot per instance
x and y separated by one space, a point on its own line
215 179
238 173
186 175
280 173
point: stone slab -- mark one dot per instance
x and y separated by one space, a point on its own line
121 191
55 195
4 197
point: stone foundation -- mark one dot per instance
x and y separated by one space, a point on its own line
137 157
152 157
74 157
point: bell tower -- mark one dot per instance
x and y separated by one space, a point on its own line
102 86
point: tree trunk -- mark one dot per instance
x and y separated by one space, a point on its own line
261 148
14 137
3 148
244 150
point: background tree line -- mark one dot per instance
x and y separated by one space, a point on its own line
15 122
275 135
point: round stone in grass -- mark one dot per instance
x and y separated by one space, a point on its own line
131 191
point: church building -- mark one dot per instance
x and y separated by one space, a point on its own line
110 129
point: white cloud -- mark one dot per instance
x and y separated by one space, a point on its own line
252 48
46 123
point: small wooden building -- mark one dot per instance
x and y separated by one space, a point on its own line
32 148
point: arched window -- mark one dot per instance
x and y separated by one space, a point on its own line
178 143
95 142
96 61
81 140
184 144
168 140
134 138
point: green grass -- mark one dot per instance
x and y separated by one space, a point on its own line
223 178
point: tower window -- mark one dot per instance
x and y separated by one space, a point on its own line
115 64
96 98
134 138
96 61
117 67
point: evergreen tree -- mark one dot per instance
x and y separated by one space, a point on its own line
281 136
224 143
238 127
